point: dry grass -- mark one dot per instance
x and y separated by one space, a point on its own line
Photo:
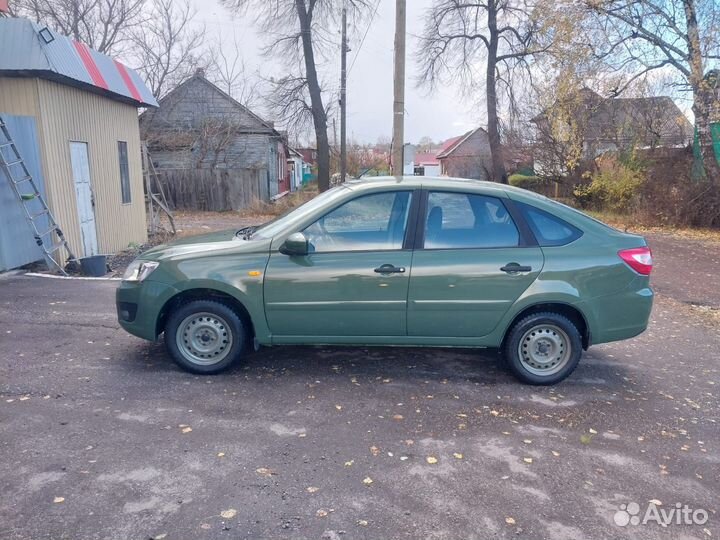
627 223
280 206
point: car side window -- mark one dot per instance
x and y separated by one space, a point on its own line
467 220
368 222
549 230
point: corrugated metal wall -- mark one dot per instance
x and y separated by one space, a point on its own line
17 243
64 114
69 114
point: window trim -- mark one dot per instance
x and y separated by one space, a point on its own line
123 202
410 225
526 237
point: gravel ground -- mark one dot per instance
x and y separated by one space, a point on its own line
101 436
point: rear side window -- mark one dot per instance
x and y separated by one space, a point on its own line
467 221
549 230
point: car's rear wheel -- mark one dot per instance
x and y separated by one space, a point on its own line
543 348
205 336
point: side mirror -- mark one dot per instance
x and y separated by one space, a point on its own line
295 245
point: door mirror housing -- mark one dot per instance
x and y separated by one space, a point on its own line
295 245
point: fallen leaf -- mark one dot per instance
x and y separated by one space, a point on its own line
509 520
312 489
585 438
59 499
457 455
527 459
321 513
228 514
367 480
398 417
432 460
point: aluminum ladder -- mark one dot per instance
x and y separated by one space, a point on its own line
26 191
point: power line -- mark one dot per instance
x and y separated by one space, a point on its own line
372 16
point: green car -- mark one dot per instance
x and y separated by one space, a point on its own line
409 261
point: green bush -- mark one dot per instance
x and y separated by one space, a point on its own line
526 181
615 187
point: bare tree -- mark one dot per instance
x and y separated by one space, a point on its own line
167 48
104 25
425 144
300 32
228 71
642 36
504 36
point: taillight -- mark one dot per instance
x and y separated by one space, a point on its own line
639 259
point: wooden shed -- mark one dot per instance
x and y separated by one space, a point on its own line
212 152
82 109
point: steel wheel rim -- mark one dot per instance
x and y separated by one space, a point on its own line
204 338
544 349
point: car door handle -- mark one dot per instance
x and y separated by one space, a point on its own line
512 268
390 269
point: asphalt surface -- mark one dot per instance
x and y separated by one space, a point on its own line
102 437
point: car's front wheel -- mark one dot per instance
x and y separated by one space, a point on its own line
205 336
543 348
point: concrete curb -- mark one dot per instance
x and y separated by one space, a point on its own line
81 278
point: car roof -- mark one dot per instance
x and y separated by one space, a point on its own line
433 182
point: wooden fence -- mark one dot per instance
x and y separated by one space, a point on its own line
216 190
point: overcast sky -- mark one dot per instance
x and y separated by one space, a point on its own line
370 94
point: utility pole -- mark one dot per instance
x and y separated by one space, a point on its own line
398 140
343 94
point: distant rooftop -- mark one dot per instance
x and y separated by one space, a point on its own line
30 50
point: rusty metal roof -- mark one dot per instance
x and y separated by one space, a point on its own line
30 50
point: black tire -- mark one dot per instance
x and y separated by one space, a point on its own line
536 366
226 332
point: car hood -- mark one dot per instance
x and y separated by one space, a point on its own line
205 244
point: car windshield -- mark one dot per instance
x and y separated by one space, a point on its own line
280 223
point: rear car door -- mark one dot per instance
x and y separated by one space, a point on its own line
473 261
354 281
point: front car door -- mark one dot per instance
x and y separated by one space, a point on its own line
353 284
472 263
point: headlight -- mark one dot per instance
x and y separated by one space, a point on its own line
139 270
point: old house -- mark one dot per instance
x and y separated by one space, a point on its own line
467 156
419 163
298 170
73 114
212 151
587 125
